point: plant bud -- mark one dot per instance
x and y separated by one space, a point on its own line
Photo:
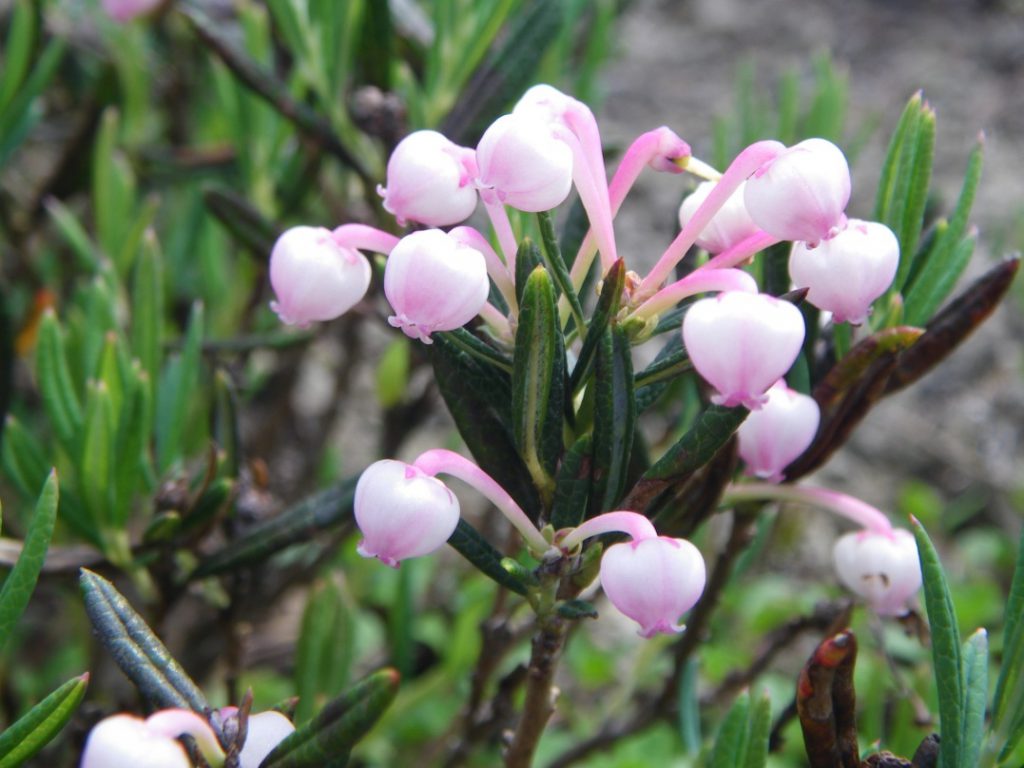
845 274
653 581
742 343
772 437
315 278
430 181
802 193
434 283
402 512
881 568
523 164
728 227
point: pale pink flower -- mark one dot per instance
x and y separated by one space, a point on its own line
430 181
653 581
434 283
802 193
125 741
849 271
742 343
265 731
730 225
772 437
315 278
402 512
881 567
523 164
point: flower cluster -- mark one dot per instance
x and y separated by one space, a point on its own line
741 341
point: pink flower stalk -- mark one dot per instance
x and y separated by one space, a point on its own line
653 581
742 343
500 272
315 278
698 281
522 164
126 10
430 181
837 503
125 741
434 283
848 272
402 512
802 193
746 162
771 438
740 253
660 150
728 227
881 568
441 461
623 521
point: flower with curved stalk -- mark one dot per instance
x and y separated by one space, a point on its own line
771 438
883 569
730 225
126 741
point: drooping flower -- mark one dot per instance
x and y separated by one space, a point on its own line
728 227
849 271
653 581
522 164
881 567
125 741
264 731
742 343
434 282
802 193
314 277
430 180
772 437
402 512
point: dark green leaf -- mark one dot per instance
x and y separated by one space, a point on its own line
946 658
468 542
555 262
1008 701
731 742
338 726
18 117
21 581
577 609
528 258
607 308
55 385
17 53
975 655
176 393
34 730
758 731
375 45
136 649
614 420
572 485
913 175
884 198
148 306
324 651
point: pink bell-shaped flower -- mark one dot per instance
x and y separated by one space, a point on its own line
402 512
802 193
315 278
729 226
882 568
430 181
434 282
523 164
772 437
265 731
125 741
845 274
653 581
742 343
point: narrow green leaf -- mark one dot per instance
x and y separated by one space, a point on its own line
21 581
538 380
528 258
468 542
338 726
884 197
572 485
24 458
975 656
731 742
34 730
18 117
136 649
555 262
75 234
376 41
329 509
176 393
946 658
942 264
689 709
910 193
614 420
1008 701
477 348
17 53
55 385
131 446
577 609
97 457
148 306
760 726
324 651
607 308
